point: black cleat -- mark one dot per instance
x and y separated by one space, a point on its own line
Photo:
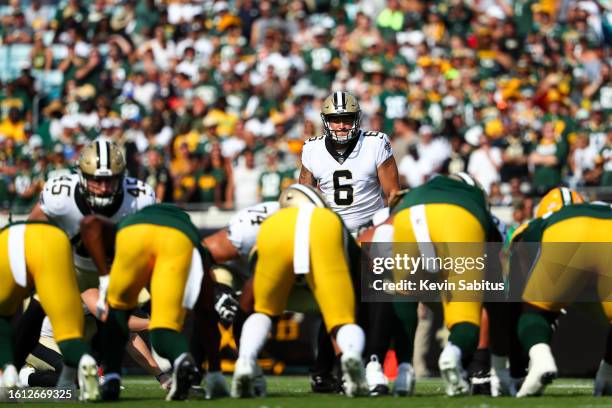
185 374
324 384
110 389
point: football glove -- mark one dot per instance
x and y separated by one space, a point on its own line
226 304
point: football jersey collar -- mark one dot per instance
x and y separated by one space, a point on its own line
341 158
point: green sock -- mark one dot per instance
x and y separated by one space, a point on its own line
533 328
6 342
465 336
406 312
168 343
115 335
72 351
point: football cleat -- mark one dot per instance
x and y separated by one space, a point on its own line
404 382
542 371
111 387
185 374
353 374
244 376
324 383
378 384
24 375
216 386
88 379
501 383
603 380
452 372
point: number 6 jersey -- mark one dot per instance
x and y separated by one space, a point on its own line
349 181
62 201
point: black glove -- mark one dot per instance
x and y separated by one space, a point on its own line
226 303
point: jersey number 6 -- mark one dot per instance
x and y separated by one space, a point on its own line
343 194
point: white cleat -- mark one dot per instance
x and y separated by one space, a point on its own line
10 377
24 375
404 383
452 372
542 371
378 384
216 386
88 379
353 374
603 380
243 380
260 386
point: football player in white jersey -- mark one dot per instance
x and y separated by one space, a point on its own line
231 243
357 173
100 187
353 168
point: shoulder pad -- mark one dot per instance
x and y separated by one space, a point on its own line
140 190
58 194
315 138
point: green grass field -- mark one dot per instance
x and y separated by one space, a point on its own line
294 392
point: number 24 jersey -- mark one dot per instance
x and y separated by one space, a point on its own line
349 181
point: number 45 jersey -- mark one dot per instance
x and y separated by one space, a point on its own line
349 180
62 201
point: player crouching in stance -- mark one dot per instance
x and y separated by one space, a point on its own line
567 229
157 246
302 242
37 255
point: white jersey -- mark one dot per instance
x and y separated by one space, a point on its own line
243 227
61 200
349 181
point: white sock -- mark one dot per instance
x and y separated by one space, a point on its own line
455 350
605 368
67 377
536 351
499 363
351 338
254 334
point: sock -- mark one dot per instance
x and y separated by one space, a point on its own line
43 379
406 313
72 350
608 353
351 338
379 327
499 363
326 355
6 342
168 343
533 328
27 332
115 335
67 377
465 336
254 334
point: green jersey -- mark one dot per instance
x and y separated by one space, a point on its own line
445 190
166 215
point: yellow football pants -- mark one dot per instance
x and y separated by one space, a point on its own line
329 278
159 255
447 223
50 270
562 270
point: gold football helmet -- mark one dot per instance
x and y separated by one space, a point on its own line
297 195
101 168
341 104
556 199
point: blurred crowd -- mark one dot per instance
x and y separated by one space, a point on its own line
212 100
